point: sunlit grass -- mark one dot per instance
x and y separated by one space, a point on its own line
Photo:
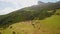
50 25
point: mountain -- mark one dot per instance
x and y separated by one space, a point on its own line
40 11
47 6
40 3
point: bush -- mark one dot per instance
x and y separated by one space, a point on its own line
57 13
13 32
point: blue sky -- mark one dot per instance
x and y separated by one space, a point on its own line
7 6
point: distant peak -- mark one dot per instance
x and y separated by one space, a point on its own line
40 2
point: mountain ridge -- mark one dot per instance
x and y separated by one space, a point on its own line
30 13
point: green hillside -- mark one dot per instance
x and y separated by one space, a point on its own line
43 18
50 25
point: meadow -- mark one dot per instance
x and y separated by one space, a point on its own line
50 25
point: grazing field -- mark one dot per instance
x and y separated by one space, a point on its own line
50 25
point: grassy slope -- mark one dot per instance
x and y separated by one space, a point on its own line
50 25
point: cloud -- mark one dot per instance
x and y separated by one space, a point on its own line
11 5
22 2
6 10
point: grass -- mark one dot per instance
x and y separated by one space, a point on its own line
50 25
18 28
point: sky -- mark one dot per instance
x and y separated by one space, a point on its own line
7 6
